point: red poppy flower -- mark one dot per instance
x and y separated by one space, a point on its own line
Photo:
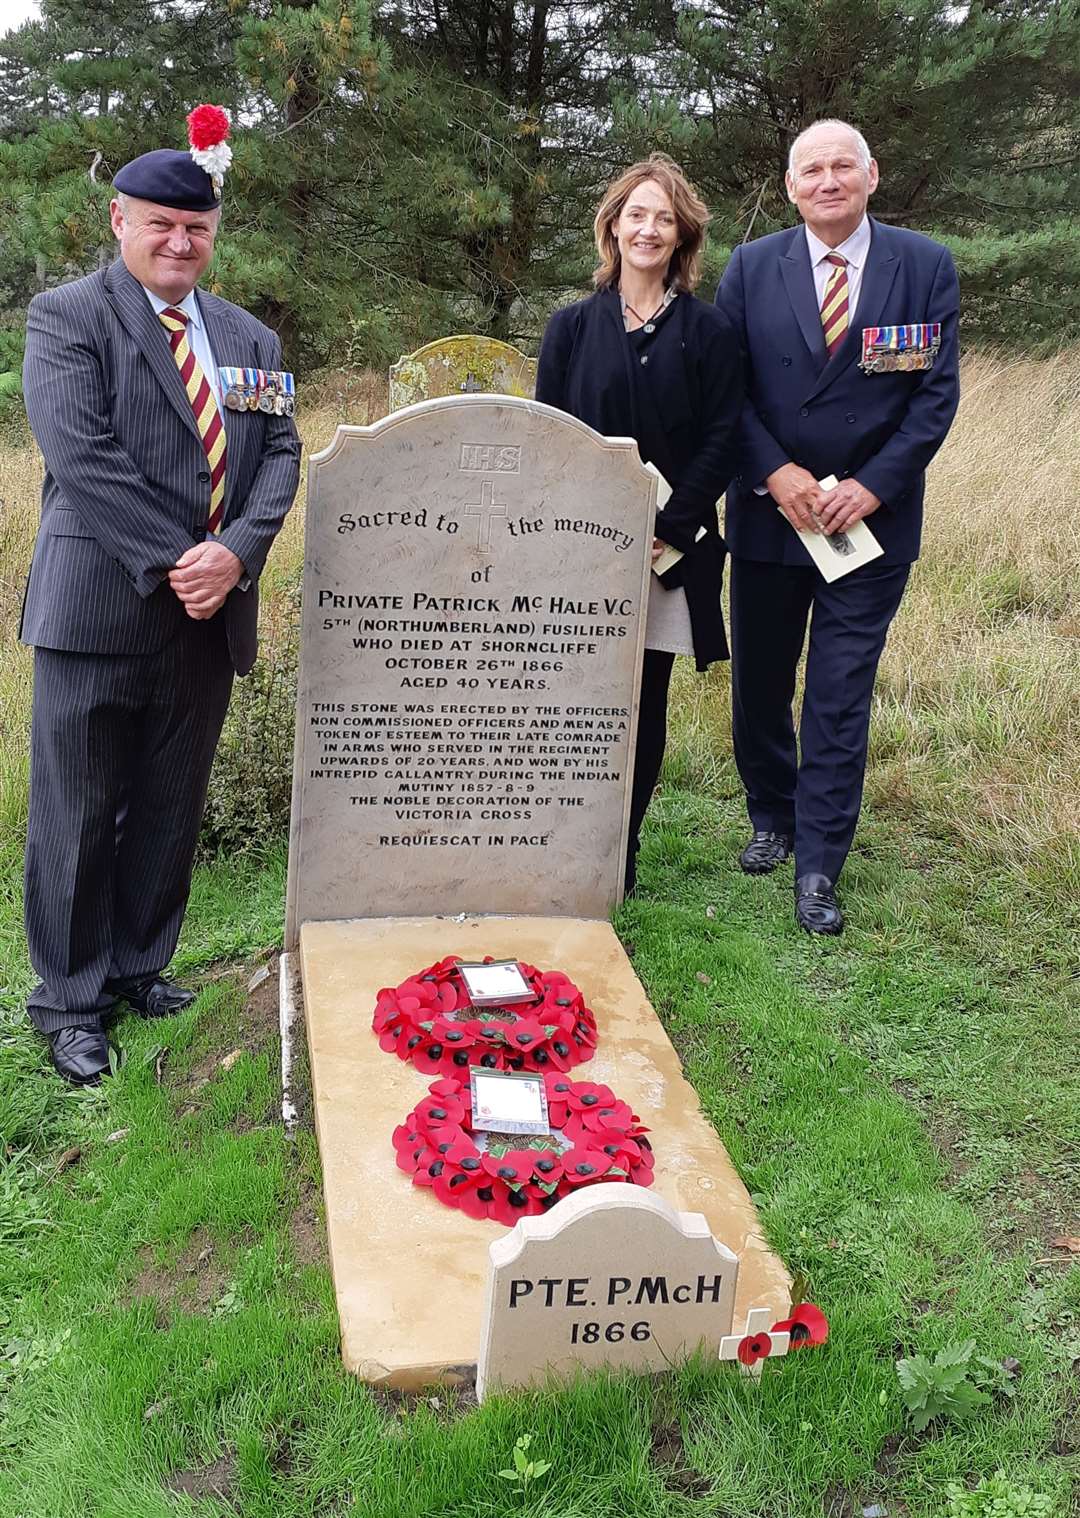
435 1110
753 1348
562 1053
585 1096
410 1146
615 1117
547 1169
623 1151
808 1327
466 1199
515 1167
525 1035
448 1086
510 1203
583 1166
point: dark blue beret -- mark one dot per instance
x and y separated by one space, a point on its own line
169 178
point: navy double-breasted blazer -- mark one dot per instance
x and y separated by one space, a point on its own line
127 489
828 415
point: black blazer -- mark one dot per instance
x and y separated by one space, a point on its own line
686 423
126 484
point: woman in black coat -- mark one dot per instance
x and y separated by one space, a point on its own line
644 358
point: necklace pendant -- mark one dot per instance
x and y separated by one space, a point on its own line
649 327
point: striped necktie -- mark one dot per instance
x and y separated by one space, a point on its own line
203 404
834 306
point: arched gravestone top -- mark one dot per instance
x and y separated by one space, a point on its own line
612 1276
475 580
462 365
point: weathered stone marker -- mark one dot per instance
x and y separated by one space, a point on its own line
460 366
474 587
474 577
613 1276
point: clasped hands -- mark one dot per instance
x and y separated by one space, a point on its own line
810 509
203 576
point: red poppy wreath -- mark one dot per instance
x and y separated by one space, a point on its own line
594 1137
429 1021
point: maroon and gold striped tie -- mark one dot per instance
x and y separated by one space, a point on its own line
203 404
834 306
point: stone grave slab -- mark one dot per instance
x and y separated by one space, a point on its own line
462 365
611 1276
410 1274
475 574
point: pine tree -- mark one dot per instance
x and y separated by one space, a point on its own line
969 110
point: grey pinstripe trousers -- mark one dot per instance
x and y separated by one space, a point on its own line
121 749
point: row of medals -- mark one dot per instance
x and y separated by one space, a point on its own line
268 398
882 363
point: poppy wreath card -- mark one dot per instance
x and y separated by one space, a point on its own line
594 1137
429 1021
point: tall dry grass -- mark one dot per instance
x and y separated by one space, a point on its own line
977 713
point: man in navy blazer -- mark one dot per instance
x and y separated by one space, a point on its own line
142 599
801 300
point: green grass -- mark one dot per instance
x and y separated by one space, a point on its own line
901 1102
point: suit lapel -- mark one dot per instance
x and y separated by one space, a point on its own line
137 316
882 264
799 282
229 348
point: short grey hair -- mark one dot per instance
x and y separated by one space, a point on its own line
862 147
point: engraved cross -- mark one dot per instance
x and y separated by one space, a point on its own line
484 509
469 384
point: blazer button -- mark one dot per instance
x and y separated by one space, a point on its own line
786 360
850 417
644 358
203 477
804 410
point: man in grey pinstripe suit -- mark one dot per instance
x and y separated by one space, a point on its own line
138 617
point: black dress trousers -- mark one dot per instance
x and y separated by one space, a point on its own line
121 750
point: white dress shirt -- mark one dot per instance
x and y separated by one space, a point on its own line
198 337
854 250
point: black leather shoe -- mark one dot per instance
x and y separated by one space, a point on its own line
764 852
152 996
80 1055
815 905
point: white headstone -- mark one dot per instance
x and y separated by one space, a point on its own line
475 577
612 1276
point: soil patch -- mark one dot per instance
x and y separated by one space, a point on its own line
306 1231
447 1402
668 1455
195 1282
213 1480
255 1026
1030 1205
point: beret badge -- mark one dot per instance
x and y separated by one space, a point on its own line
208 128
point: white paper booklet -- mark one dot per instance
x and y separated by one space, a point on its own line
670 556
839 554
